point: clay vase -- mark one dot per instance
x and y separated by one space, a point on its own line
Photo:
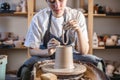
110 42
64 57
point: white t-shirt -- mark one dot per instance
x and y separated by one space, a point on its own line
39 25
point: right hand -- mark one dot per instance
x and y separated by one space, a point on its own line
52 46
71 25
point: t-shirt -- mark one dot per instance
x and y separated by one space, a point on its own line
39 25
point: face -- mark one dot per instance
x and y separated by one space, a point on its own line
57 7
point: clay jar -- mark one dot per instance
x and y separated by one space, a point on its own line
114 37
18 44
110 42
64 57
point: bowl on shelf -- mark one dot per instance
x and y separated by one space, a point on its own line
5 6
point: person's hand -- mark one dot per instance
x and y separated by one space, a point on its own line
72 24
52 46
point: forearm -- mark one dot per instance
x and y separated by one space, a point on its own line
82 46
39 52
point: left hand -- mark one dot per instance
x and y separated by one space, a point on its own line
72 24
52 45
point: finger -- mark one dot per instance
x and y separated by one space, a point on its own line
52 51
53 43
75 28
56 42
53 39
69 24
51 46
66 26
72 21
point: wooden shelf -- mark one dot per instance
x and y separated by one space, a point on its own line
96 15
11 72
109 16
112 47
99 15
99 48
85 14
104 15
14 14
13 48
22 13
107 47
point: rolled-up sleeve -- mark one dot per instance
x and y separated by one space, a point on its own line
33 37
82 23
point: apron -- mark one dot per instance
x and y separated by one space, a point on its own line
49 36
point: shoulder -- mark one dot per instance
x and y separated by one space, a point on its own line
42 14
74 13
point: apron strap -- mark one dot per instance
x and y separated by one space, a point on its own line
47 33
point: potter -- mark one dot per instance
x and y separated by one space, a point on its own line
46 25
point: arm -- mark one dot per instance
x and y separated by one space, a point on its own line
38 52
82 44
46 52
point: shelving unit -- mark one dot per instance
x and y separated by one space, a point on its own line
90 24
29 14
110 17
107 24
16 56
106 16
13 14
14 48
90 16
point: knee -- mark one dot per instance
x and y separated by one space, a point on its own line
25 73
88 58
25 70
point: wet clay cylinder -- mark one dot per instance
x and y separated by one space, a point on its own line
64 57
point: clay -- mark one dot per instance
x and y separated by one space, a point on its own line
64 57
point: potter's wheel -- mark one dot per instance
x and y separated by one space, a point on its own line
49 67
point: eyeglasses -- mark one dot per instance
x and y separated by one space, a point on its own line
54 1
